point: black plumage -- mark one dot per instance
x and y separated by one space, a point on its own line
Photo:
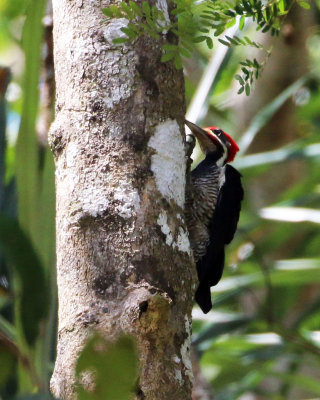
221 230
213 202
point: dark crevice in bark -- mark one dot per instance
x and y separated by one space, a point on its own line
143 306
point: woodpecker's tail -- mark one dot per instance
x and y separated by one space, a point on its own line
210 269
203 297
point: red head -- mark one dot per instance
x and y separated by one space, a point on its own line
220 137
213 140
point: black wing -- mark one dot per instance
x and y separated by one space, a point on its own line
222 229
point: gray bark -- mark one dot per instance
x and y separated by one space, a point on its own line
123 255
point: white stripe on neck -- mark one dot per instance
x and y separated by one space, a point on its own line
221 161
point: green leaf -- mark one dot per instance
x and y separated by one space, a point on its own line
120 40
172 47
232 40
282 6
257 45
247 6
187 45
152 24
156 13
230 13
241 23
204 30
209 12
239 78
154 35
268 13
208 17
266 28
136 8
238 9
146 8
245 71
140 27
209 42
127 10
167 56
245 63
304 4
240 41
241 90
176 11
224 42
109 13
219 29
231 23
247 89
114 367
116 12
275 9
129 32
184 52
199 39
256 64
206 23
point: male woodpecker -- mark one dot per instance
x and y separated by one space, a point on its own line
213 202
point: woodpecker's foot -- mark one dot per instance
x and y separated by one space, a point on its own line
190 143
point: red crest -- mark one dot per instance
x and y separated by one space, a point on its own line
234 148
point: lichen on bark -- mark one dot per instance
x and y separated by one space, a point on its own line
116 138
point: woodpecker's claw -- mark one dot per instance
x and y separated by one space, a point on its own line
190 143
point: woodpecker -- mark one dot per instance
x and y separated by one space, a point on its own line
213 202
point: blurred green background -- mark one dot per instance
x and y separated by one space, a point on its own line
262 339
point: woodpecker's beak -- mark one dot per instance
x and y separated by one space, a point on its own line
205 140
195 129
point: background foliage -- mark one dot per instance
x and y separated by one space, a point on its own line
262 339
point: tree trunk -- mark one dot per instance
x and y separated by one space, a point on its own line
123 254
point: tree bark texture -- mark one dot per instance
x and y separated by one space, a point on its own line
123 254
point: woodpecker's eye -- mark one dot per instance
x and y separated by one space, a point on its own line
218 132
